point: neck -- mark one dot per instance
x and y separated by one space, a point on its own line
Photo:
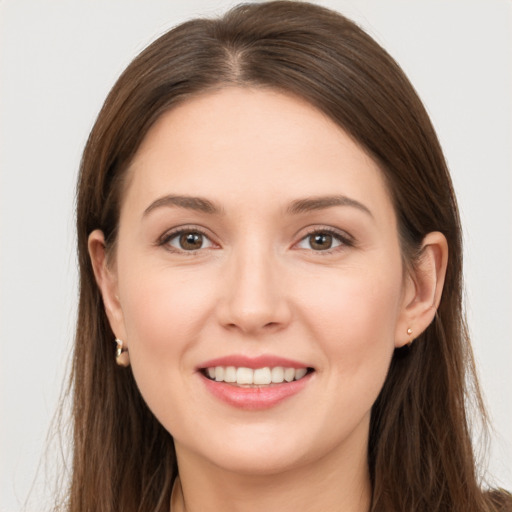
327 484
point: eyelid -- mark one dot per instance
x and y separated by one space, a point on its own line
345 238
168 235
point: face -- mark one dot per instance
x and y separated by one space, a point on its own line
260 281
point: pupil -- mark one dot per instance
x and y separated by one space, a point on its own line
191 241
321 241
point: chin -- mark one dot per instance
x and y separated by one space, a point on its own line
272 460
260 450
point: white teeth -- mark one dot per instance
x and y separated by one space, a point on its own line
230 374
244 376
262 376
277 374
300 373
258 377
289 374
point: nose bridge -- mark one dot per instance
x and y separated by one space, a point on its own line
254 296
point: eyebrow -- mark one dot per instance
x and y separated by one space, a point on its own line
199 204
309 204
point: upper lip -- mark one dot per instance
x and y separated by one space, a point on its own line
262 361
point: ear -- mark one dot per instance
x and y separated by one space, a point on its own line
423 289
106 279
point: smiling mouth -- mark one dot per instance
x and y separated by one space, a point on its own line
248 377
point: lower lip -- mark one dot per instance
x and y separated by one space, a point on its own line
255 398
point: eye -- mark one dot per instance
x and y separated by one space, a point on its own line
189 240
322 240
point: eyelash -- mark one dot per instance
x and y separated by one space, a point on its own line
344 239
170 235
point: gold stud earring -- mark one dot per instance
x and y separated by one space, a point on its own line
409 333
122 356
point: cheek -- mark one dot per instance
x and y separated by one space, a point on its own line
164 316
160 307
165 313
355 329
354 319
357 304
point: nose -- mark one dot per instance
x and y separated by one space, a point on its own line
253 300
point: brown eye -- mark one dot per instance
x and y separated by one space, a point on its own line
189 241
321 241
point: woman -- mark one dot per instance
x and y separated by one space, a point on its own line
267 229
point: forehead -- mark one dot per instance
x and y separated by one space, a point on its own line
250 143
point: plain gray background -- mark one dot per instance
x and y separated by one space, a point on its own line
57 62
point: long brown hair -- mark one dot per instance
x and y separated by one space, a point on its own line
420 452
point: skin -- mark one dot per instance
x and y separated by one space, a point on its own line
258 286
